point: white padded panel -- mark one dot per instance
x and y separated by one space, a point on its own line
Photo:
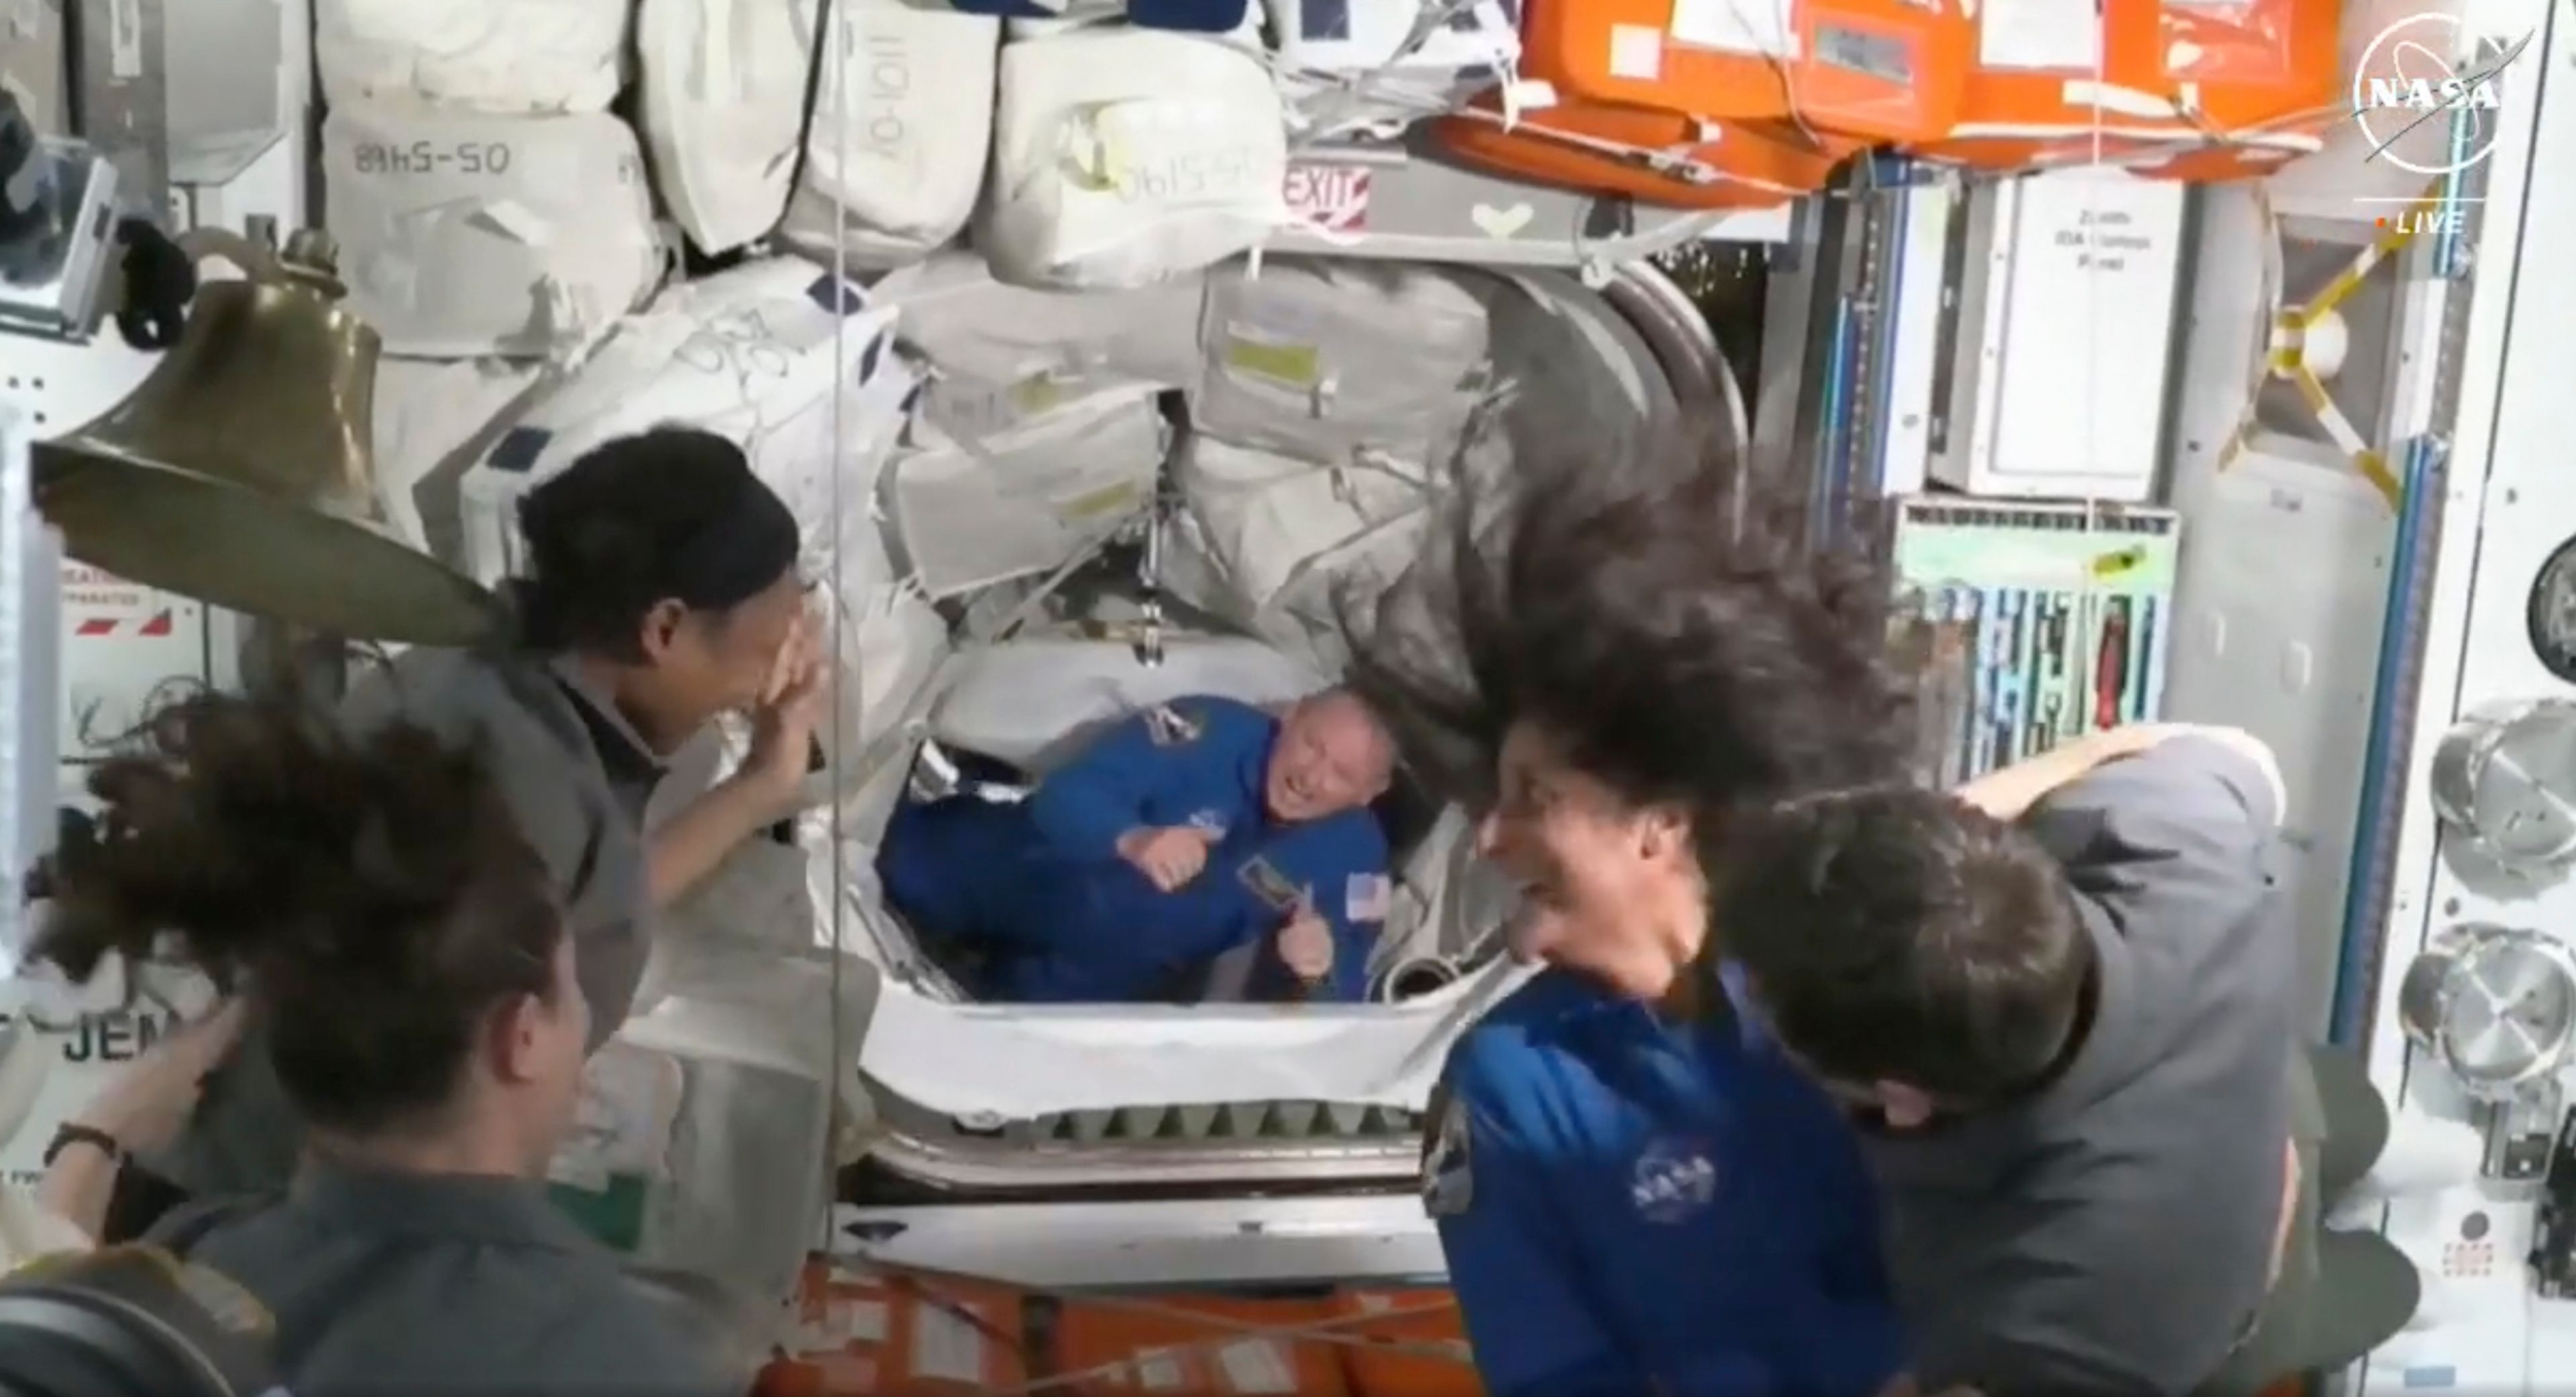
1033 702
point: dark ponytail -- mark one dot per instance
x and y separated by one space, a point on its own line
372 894
673 514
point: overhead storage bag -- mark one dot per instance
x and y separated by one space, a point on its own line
998 354
1030 500
1123 157
1651 156
1879 70
751 354
465 235
1381 64
503 56
722 101
1318 359
902 123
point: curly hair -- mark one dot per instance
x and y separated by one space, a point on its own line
1668 620
371 893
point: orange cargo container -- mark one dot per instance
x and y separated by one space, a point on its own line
864 1336
1613 150
1206 1348
1876 70
1416 1320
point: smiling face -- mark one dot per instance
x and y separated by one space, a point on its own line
1612 891
1332 755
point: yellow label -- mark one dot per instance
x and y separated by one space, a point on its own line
2114 563
1297 365
1035 394
1109 499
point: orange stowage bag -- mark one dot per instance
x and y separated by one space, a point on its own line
1876 70
867 1336
1603 148
1101 1351
1400 1337
2052 84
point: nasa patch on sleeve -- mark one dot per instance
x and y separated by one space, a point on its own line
1448 1183
1369 897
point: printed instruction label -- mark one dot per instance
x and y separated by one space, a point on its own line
945 1345
1760 28
2048 35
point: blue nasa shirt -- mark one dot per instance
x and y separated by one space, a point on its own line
1040 888
1630 1206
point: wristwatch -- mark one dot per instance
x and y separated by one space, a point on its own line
73 1133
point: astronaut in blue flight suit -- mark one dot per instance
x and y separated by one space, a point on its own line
1181 832
1635 1198
1634 1206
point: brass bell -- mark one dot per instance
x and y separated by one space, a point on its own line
242 471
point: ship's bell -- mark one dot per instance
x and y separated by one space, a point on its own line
242 471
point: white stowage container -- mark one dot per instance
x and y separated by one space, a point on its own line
903 121
465 235
1321 359
506 56
1262 519
1122 157
751 354
1027 500
723 97
1000 355
1380 64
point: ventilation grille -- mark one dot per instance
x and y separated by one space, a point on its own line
1251 1122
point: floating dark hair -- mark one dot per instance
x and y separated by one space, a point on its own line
371 893
1668 618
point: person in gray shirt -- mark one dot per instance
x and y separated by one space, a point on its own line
2062 1002
661 591
417 975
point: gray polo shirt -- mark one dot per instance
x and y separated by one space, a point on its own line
577 775
2114 1233
389 1285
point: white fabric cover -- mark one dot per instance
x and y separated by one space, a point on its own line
1320 358
1028 701
1378 65
427 410
464 235
1027 500
1000 355
1262 516
507 56
723 99
1123 157
903 120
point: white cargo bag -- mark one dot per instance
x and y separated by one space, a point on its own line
467 235
1262 518
903 121
751 354
1030 500
1123 157
1000 355
723 99
1319 359
505 56
426 411
1034 702
1354 65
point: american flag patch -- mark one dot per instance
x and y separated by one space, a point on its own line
1370 897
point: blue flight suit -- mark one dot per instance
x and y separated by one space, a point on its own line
1633 1207
1039 886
